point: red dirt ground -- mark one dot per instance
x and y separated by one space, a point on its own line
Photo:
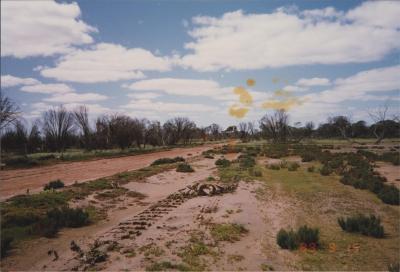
14 182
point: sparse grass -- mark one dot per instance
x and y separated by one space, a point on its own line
166 265
227 232
151 250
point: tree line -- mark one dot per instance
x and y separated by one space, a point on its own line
58 129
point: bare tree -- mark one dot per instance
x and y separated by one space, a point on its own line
275 126
9 111
81 115
379 117
243 131
58 124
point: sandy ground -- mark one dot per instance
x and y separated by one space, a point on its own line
32 255
390 172
14 182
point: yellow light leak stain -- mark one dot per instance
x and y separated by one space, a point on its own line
238 112
244 96
282 93
275 80
282 104
250 82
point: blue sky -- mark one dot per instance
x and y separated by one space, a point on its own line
160 59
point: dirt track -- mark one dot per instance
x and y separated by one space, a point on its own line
14 182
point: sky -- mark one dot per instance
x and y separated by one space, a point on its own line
219 62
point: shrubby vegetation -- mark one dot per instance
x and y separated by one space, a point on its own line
222 162
168 160
184 167
55 184
308 237
366 225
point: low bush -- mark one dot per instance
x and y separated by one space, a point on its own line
366 225
208 156
222 162
311 169
293 166
389 194
305 236
246 161
274 167
55 184
255 172
326 170
184 167
6 241
307 157
277 151
168 160
21 161
287 239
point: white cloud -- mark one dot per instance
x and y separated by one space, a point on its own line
146 95
362 86
41 28
185 87
57 88
291 88
11 81
168 107
377 13
254 41
315 81
105 62
37 109
75 97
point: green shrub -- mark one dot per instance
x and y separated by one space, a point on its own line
287 239
274 167
208 156
246 161
21 161
306 236
6 241
326 170
311 169
307 157
389 194
255 172
55 184
184 167
222 162
293 166
277 151
369 226
227 232
168 160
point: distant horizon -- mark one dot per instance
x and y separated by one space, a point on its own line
213 62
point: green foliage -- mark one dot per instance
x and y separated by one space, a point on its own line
277 151
55 184
21 161
255 172
287 239
184 167
274 166
222 162
293 166
366 225
209 156
389 194
6 241
311 169
246 161
326 170
306 236
227 232
168 160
